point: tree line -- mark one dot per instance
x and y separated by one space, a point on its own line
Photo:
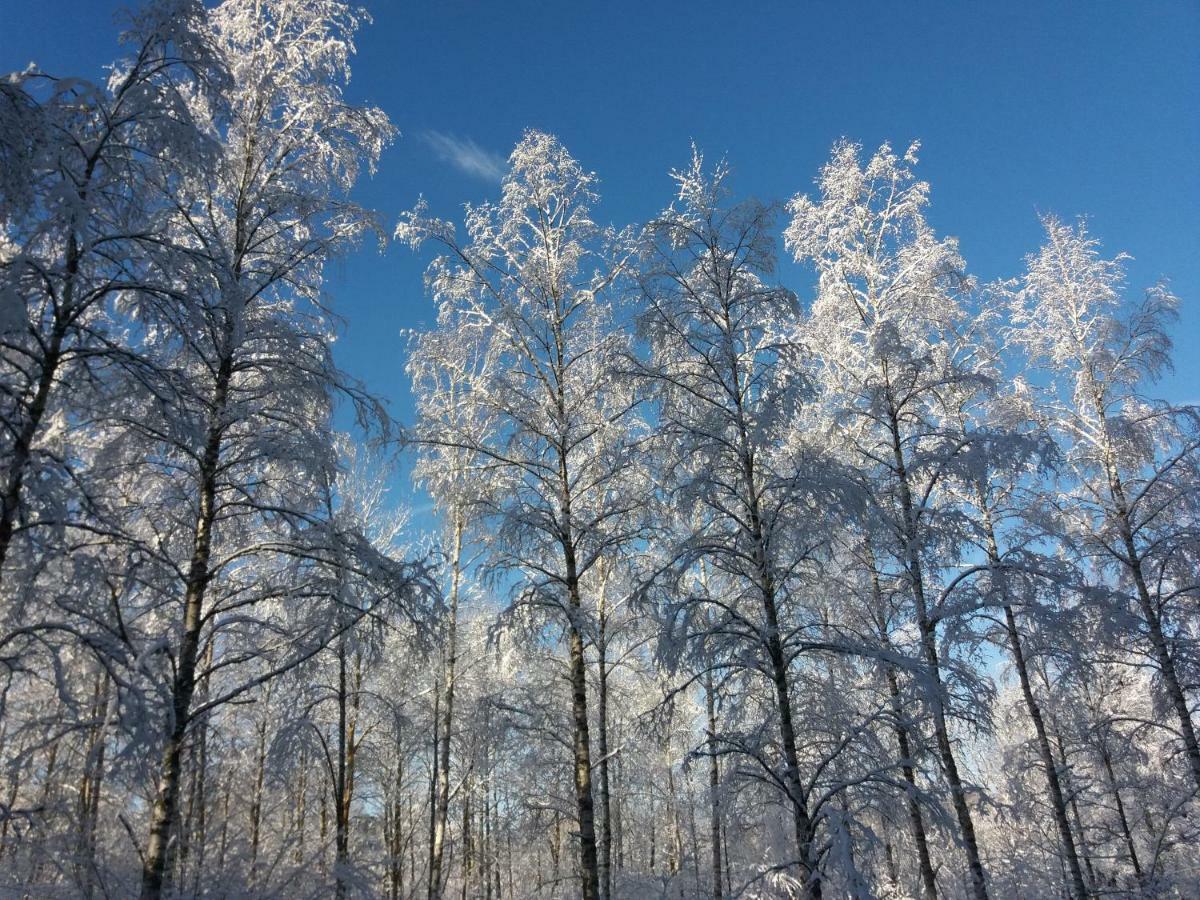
880 585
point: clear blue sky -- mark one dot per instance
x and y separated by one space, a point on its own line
1085 107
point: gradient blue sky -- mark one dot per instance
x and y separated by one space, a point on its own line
1021 107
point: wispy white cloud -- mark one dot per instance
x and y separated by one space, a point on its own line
466 155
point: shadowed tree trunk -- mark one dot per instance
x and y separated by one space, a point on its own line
714 787
166 801
605 837
445 726
1133 562
908 764
928 631
1053 783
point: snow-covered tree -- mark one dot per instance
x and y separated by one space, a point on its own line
235 429
890 297
874 586
535 277
1131 501
727 386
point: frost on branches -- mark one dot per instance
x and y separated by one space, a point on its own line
879 584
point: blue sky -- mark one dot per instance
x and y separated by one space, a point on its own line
1021 107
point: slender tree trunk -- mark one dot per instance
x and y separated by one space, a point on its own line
694 833
396 845
340 840
588 864
434 766
1122 818
200 838
1134 563
411 840
260 773
714 787
915 819
618 829
584 802
805 834
324 842
605 839
496 829
675 855
468 838
223 844
728 860
10 801
653 829
163 812
301 810
1053 783
348 706
908 763
91 785
928 633
51 789
555 850
446 725
1158 640
1082 841
512 889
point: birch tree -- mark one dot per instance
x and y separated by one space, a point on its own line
889 294
77 219
1135 462
537 273
243 338
722 373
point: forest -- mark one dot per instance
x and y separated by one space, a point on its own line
883 584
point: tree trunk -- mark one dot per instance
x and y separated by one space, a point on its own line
805 837
605 841
908 764
434 764
908 770
588 863
396 844
446 725
802 825
714 787
256 800
223 844
348 706
1085 852
166 802
728 860
1158 640
1134 563
301 809
91 785
675 855
928 633
1122 818
1053 783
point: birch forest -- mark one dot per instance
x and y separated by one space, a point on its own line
882 583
